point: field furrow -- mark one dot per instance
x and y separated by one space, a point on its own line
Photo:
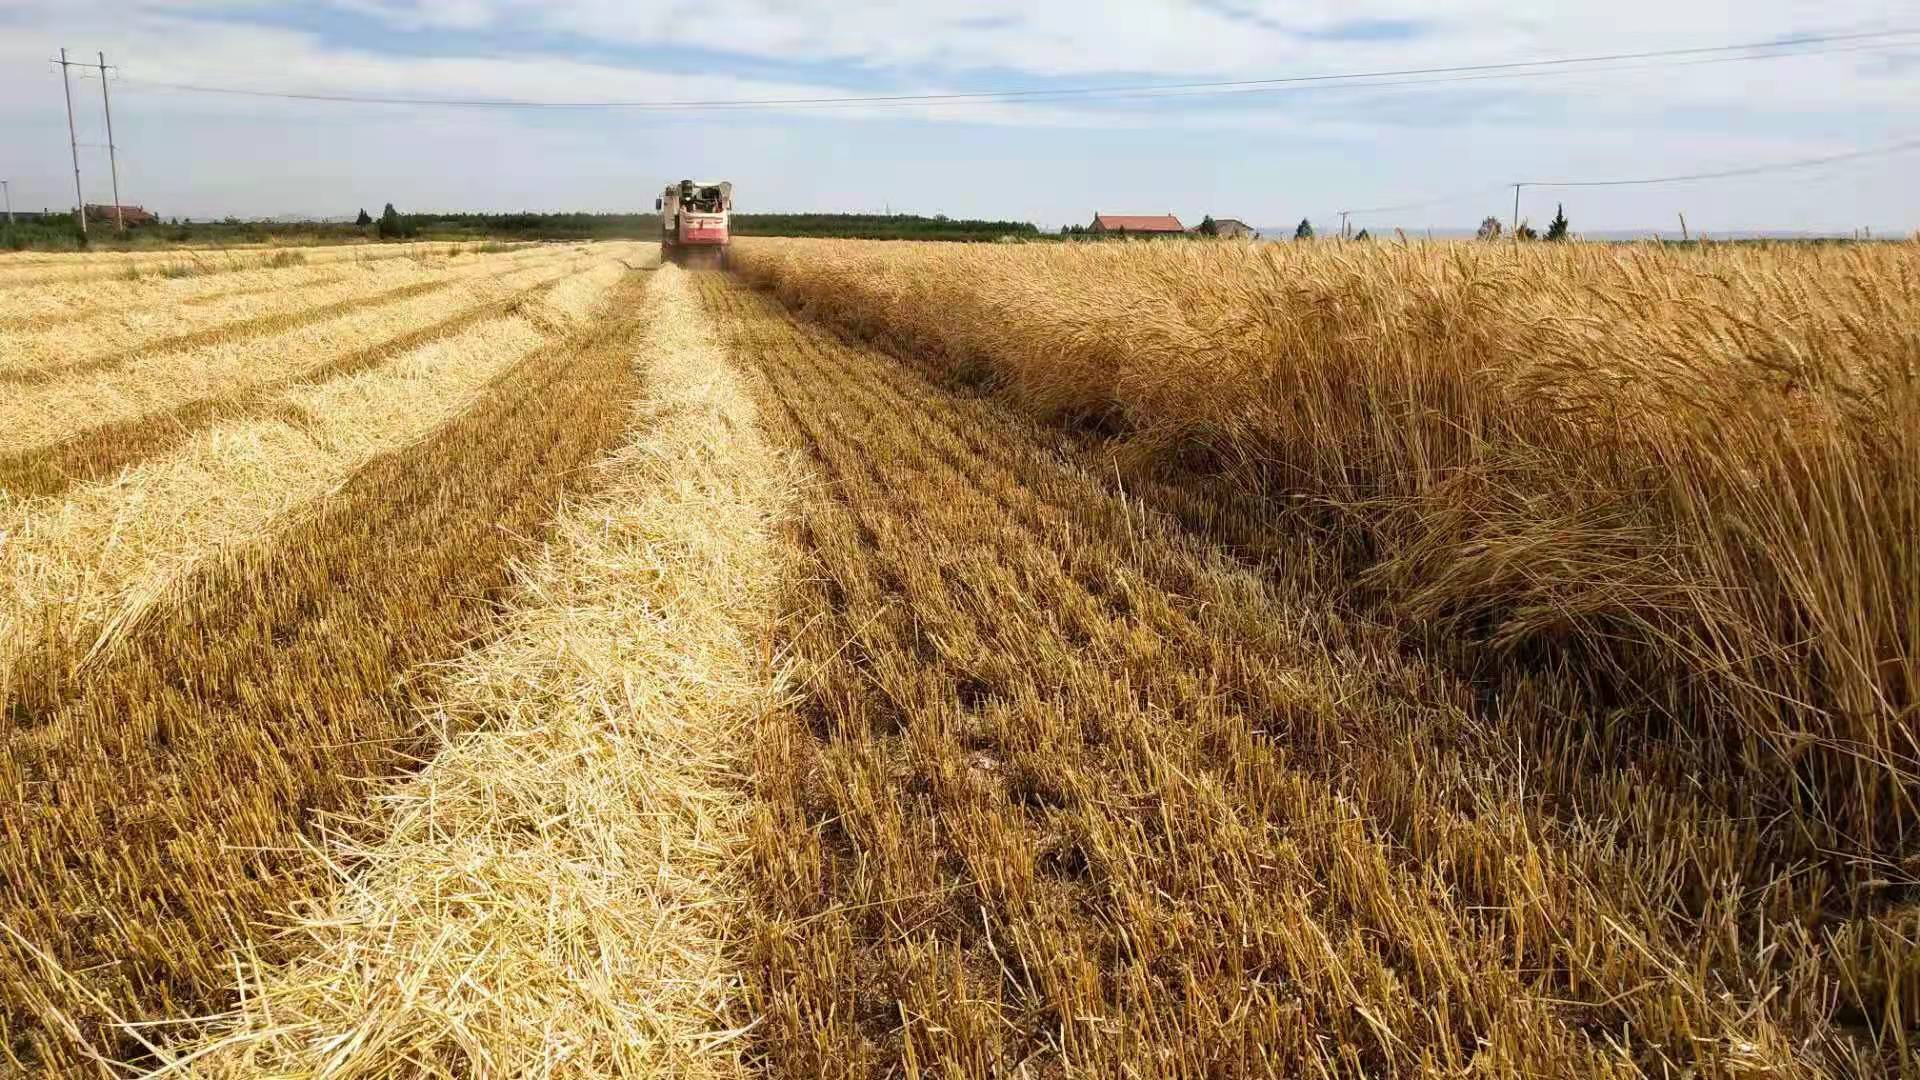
154 801
611 707
1070 787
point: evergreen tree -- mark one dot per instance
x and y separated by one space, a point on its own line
365 219
1208 227
1363 235
391 227
1557 228
1525 232
1305 231
1489 229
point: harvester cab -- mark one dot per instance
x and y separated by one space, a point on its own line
696 223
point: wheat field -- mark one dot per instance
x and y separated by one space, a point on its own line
896 659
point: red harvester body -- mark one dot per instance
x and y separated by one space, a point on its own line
696 222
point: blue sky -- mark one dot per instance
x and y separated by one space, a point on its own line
1270 157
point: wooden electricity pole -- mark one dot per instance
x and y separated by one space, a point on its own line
1515 228
113 163
1343 223
73 143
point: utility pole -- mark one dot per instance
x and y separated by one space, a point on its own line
1343 224
1516 212
119 224
73 143
6 188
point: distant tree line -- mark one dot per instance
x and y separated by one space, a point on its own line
50 231
580 226
882 227
393 224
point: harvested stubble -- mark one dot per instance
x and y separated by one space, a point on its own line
153 802
56 305
1073 789
1689 482
119 334
98 452
556 890
18 271
121 338
146 382
80 568
41 305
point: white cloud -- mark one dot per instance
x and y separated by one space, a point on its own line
1147 36
1263 156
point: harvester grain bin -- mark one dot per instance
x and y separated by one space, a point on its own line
696 223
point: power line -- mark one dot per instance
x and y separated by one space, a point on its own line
1781 47
1748 170
1903 146
1555 72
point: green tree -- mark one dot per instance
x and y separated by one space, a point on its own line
1525 232
1208 227
1305 231
365 219
1489 229
391 226
1557 228
1363 235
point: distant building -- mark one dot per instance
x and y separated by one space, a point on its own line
1137 225
1234 229
131 215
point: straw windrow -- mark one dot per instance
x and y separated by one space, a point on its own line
259 598
558 890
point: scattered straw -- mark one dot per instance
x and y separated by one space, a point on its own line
556 893
76 569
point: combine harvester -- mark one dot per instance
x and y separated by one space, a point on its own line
696 223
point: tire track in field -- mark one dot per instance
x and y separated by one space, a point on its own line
153 808
612 706
99 452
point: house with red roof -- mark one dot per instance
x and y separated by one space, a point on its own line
131 215
1137 225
